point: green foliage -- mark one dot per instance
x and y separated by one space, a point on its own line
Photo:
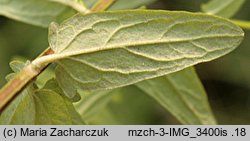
43 11
182 94
111 107
39 106
224 8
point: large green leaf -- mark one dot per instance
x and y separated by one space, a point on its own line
36 12
44 106
182 94
224 8
39 12
114 49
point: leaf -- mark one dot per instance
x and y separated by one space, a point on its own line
224 8
50 102
92 103
21 110
43 11
51 108
39 106
114 49
182 94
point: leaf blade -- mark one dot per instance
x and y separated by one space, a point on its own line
26 11
153 44
226 8
182 94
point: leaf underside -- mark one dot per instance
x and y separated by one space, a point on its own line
113 49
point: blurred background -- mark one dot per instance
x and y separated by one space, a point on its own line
226 80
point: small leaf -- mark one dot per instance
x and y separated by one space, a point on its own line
113 49
54 106
224 8
51 108
182 94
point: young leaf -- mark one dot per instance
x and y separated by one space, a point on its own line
182 94
224 8
51 108
114 49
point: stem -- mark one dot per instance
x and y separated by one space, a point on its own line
75 5
243 24
102 5
16 85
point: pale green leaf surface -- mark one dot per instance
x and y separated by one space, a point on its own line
224 8
114 49
182 94
36 12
